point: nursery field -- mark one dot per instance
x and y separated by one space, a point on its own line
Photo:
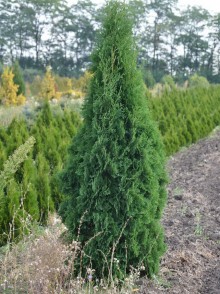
109 160
32 194
191 221
183 116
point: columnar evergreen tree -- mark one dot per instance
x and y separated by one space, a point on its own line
30 200
11 209
115 173
42 185
18 79
35 181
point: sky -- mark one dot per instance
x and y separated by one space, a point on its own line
211 5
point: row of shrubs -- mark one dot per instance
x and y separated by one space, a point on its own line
32 193
185 116
14 90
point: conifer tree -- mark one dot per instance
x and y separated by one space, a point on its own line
11 214
8 91
17 134
48 86
18 79
2 154
43 187
10 193
115 173
29 189
3 143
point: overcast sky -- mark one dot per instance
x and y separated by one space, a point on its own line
211 5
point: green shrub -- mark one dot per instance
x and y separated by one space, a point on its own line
198 81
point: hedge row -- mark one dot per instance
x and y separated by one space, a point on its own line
33 191
185 116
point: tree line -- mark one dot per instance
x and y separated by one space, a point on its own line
52 32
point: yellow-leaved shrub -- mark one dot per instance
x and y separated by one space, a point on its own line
8 90
48 87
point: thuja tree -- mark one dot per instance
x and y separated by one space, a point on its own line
18 78
115 177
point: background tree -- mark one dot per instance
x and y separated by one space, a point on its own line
11 212
8 90
48 86
18 78
198 81
56 32
214 48
115 171
191 40
82 30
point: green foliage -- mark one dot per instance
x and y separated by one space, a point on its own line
115 173
33 177
18 78
12 164
148 78
184 116
30 201
43 187
71 34
168 81
11 210
198 81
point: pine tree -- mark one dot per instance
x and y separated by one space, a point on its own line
115 173
18 79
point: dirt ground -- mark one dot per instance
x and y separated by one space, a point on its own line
192 223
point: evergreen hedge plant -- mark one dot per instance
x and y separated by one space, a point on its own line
115 176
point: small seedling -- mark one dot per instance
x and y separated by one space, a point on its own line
198 229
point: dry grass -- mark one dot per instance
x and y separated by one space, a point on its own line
7 114
43 263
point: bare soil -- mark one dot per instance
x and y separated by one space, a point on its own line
192 223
